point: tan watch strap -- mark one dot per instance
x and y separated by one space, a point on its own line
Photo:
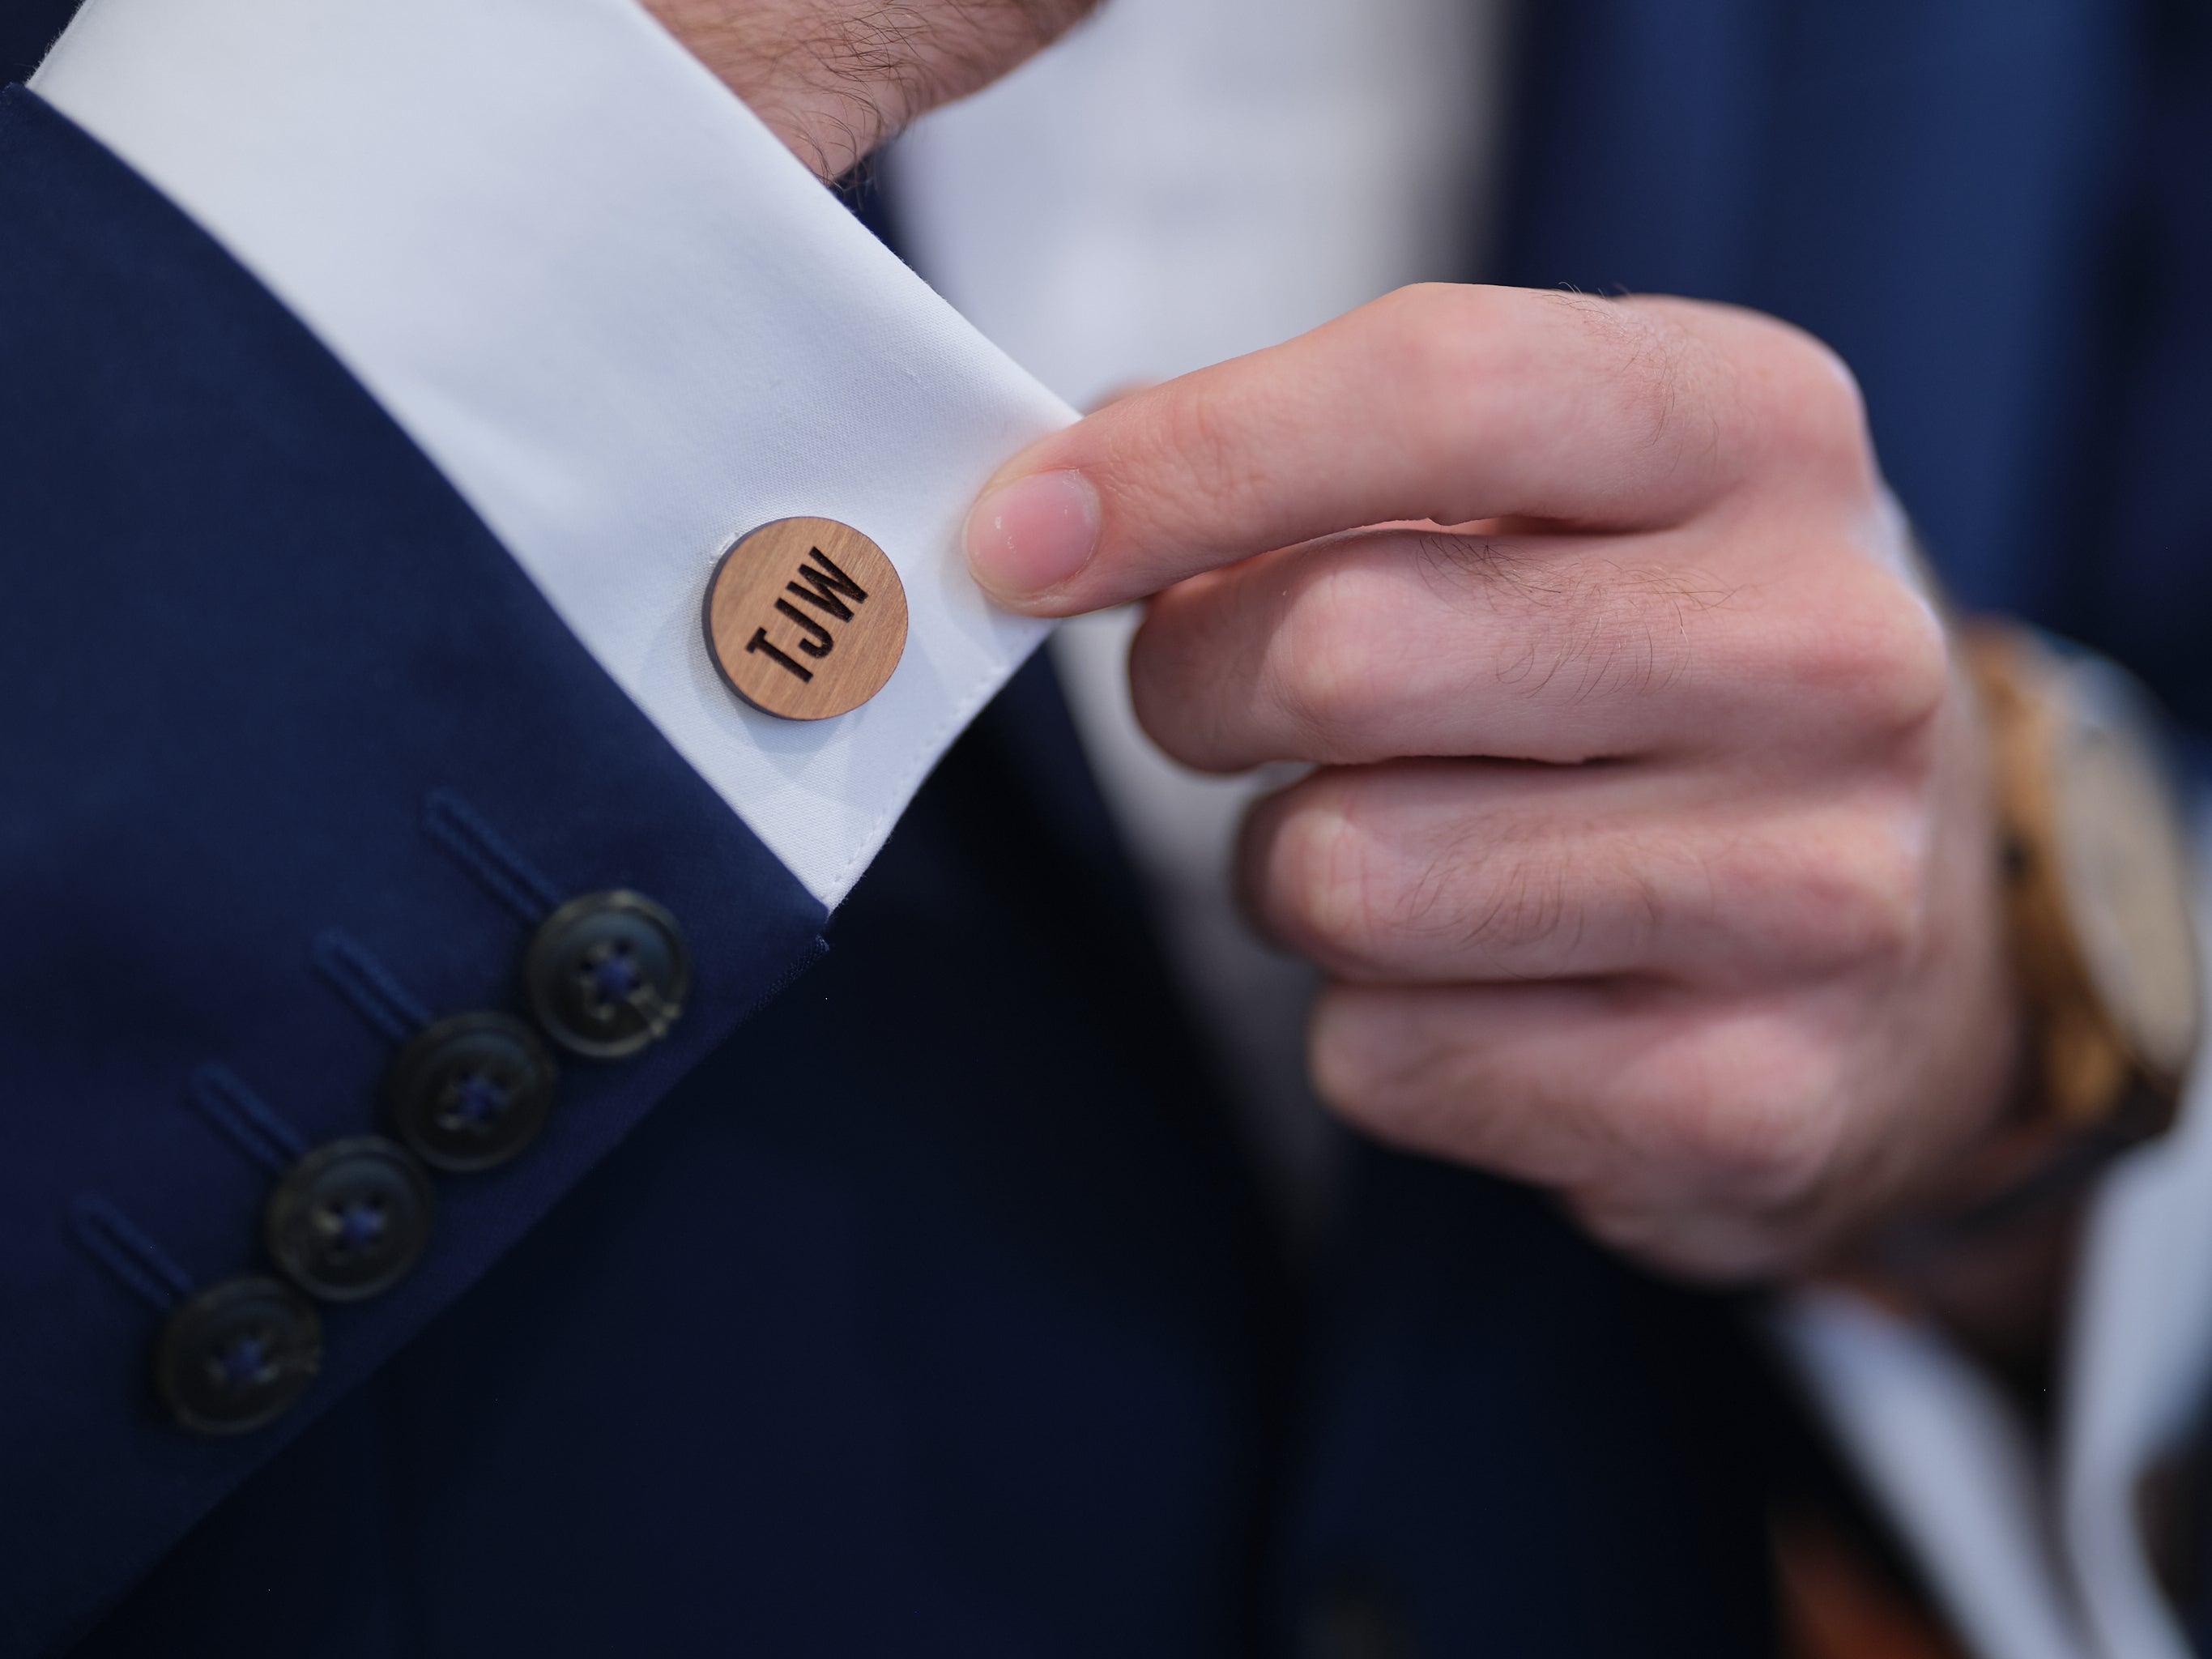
2079 1061
2084 1097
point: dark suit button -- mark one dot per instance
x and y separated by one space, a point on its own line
237 1355
1352 1618
470 1092
350 1219
607 974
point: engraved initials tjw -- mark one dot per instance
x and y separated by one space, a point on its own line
782 617
821 591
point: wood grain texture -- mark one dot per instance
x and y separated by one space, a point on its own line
805 618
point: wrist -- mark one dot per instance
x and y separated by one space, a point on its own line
833 79
2098 933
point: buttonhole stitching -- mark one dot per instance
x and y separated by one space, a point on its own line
244 1118
497 864
133 1257
378 997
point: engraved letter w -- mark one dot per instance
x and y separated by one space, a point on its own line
821 589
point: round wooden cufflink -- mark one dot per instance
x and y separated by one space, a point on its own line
805 618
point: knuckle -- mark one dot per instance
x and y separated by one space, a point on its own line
1175 689
1687 1241
1341 1068
1428 325
1800 382
1325 672
1880 898
1415 1104
1364 1069
1628 1222
1871 654
1336 1065
1790 390
1763 1130
1311 887
1833 394
1436 344
1764 389
1843 890
1324 882
1909 662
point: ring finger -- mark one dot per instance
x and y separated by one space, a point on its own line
1444 872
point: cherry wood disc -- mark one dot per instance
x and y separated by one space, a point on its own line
806 617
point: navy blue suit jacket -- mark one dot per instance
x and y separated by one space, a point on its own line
915 1300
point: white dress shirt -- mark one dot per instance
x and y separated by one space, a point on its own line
623 321
628 327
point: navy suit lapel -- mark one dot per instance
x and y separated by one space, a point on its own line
1927 185
1634 150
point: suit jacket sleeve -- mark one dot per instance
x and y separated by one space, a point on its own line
295 758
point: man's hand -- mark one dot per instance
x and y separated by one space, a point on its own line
1650 847
835 78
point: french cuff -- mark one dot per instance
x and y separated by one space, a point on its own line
623 321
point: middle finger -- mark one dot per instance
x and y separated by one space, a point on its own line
1414 641
1444 872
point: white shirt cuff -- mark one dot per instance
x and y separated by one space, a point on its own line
623 321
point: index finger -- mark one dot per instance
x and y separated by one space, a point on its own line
1438 402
